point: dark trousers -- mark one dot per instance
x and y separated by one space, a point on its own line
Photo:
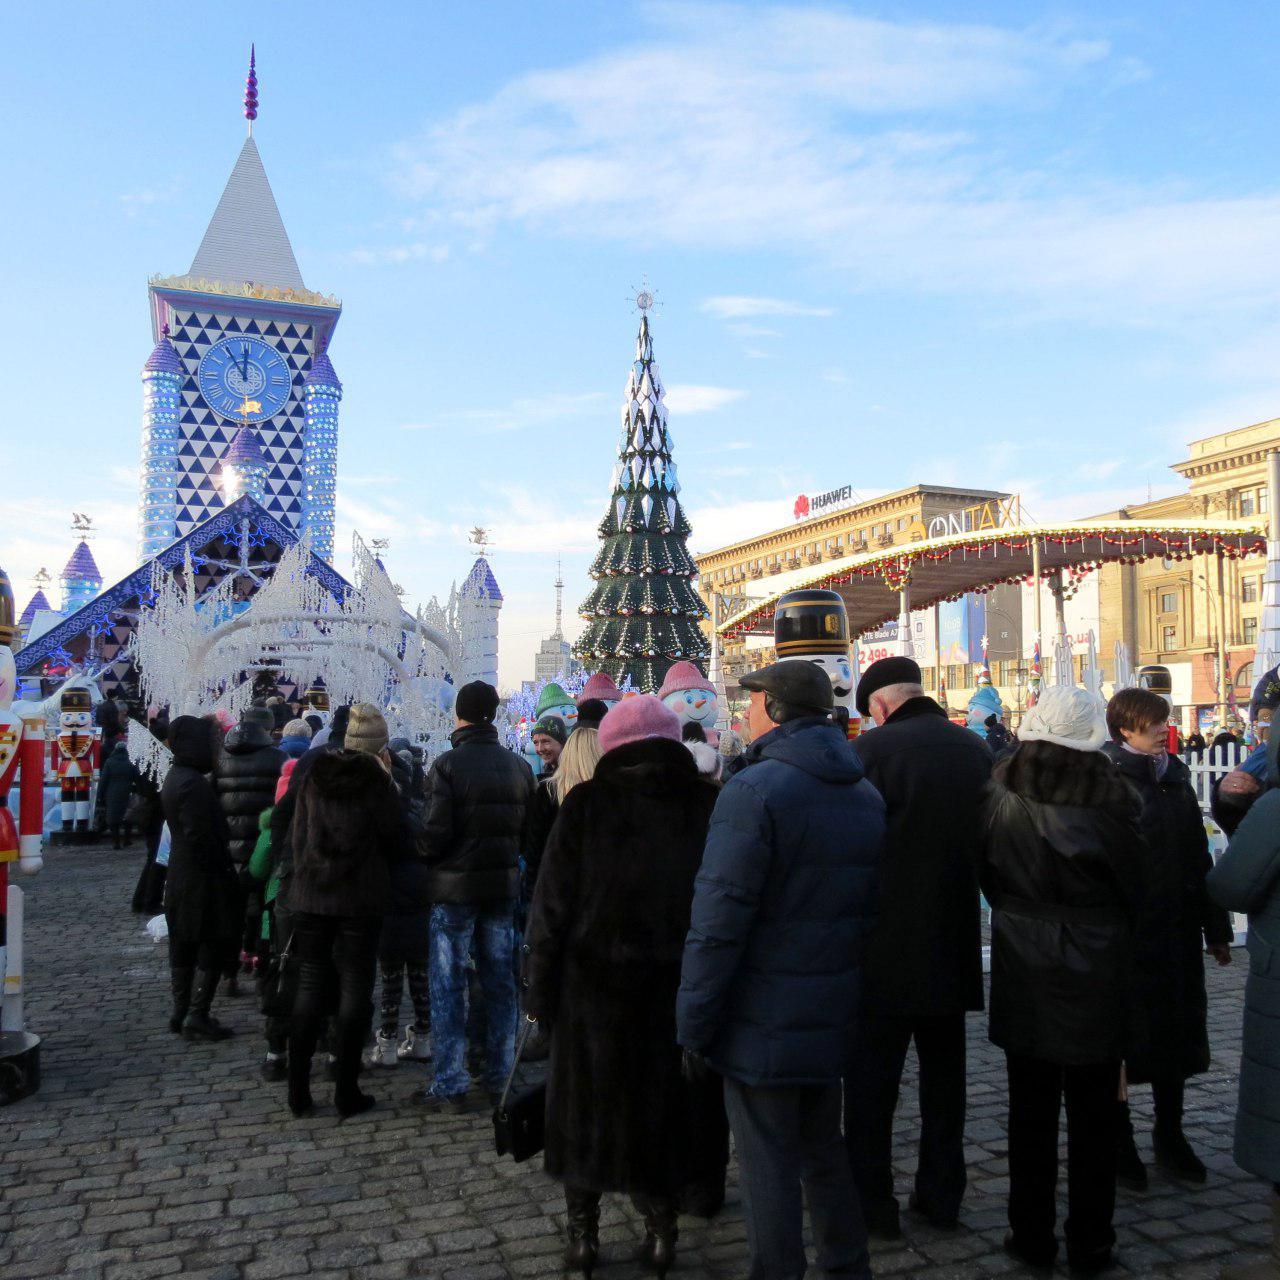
1036 1093
348 947
277 1026
196 953
788 1138
871 1097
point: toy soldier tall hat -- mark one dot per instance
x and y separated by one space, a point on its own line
75 700
8 628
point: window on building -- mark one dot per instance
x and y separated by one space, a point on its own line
1249 630
1248 502
1168 602
902 523
1262 502
1249 590
1168 639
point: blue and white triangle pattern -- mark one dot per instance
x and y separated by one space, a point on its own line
205 435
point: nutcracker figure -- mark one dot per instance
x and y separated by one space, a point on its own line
21 765
811 625
75 757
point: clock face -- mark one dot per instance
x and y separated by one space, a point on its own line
244 379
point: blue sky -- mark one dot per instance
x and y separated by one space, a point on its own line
1011 245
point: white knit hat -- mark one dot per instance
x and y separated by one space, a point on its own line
1070 716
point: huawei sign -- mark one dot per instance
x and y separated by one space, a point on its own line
802 506
822 503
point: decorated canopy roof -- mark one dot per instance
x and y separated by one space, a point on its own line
949 567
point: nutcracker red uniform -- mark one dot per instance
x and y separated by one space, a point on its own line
21 763
75 757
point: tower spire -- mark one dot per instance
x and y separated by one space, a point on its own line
558 633
251 90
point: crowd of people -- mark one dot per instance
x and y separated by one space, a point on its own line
740 941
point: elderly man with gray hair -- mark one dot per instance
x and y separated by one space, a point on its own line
922 971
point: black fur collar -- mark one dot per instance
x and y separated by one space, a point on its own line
1050 774
648 763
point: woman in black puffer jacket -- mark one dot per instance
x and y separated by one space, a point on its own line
201 895
1060 867
245 780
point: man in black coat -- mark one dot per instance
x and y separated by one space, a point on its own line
923 965
477 795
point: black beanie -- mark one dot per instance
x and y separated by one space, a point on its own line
591 711
338 725
476 703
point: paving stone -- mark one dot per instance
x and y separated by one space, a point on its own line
153 1157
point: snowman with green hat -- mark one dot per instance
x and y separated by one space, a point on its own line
554 701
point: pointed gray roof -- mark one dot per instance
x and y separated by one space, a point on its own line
246 239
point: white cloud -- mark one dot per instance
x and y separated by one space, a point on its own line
719 524
815 131
522 412
686 398
733 307
1099 469
398 254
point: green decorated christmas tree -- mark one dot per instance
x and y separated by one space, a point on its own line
643 613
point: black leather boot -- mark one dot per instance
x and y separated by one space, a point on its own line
583 1249
180 980
658 1253
200 1024
1130 1171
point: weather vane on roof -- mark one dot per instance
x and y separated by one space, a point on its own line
479 538
380 544
42 579
81 524
644 299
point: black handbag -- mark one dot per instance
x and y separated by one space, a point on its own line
278 983
520 1118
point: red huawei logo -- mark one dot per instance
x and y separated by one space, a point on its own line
802 506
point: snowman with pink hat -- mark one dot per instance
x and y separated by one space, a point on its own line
602 687
692 697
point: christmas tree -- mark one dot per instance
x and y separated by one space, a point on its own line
643 613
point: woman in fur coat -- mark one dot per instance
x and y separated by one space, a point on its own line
604 946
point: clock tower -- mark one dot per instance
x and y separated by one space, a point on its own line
241 344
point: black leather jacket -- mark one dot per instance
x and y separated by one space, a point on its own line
477 795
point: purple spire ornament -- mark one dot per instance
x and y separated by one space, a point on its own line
251 89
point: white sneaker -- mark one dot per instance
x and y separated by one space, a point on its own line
416 1046
382 1053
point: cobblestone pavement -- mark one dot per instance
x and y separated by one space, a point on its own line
144 1156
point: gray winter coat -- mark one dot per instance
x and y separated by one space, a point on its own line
1248 879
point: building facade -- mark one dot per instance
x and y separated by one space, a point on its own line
845 525
239 343
1170 613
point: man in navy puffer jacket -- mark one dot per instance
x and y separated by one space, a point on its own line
770 982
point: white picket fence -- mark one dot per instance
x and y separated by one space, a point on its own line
1207 767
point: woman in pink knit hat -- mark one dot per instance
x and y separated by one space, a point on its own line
605 939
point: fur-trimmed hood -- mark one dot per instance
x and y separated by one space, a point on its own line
343 775
1050 774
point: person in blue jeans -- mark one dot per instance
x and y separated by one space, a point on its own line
477 797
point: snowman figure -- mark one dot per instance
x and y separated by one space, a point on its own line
553 701
602 687
692 697
811 625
